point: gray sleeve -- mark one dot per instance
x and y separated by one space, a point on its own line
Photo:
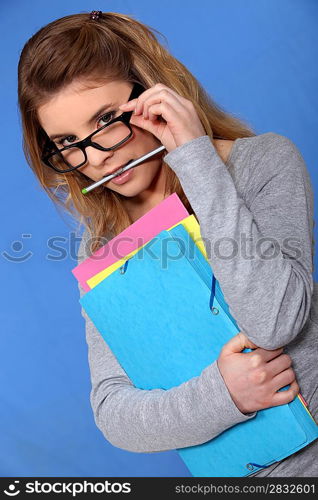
268 287
155 420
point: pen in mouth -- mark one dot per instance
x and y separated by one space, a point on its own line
123 169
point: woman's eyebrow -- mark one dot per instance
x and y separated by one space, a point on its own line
105 107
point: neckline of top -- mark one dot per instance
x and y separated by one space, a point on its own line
233 150
235 147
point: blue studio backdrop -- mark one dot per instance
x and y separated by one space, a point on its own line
256 59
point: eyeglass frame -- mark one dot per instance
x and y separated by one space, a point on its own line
84 143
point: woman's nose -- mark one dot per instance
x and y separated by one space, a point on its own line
96 157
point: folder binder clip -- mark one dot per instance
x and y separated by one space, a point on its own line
214 309
123 268
251 466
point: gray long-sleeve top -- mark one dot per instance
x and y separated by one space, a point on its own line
256 218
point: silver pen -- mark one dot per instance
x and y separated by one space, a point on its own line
132 164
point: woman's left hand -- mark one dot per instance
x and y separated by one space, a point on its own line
181 122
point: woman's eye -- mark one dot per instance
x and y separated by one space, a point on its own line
106 118
66 141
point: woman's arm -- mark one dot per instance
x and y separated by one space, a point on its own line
270 298
155 420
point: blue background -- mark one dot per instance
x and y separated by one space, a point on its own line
258 61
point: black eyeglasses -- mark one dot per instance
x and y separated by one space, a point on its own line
106 138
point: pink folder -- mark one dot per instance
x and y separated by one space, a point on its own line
164 215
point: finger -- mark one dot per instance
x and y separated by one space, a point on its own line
167 110
267 355
236 344
164 109
162 97
151 126
279 364
247 342
161 110
165 95
161 86
286 396
282 379
128 106
158 128
158 89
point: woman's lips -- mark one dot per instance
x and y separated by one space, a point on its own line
117 168
125 177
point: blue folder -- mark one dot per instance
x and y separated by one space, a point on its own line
155 313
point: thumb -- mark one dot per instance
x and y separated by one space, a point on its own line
237 344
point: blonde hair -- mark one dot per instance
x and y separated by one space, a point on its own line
114 47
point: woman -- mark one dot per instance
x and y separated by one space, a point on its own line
76 75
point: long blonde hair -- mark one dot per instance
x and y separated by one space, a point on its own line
114 46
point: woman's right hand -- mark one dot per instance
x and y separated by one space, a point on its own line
253 378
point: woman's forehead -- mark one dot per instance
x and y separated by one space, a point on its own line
88 90
78 100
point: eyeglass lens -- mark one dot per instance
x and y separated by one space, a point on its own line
108 137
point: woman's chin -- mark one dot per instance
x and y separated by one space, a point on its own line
127 190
